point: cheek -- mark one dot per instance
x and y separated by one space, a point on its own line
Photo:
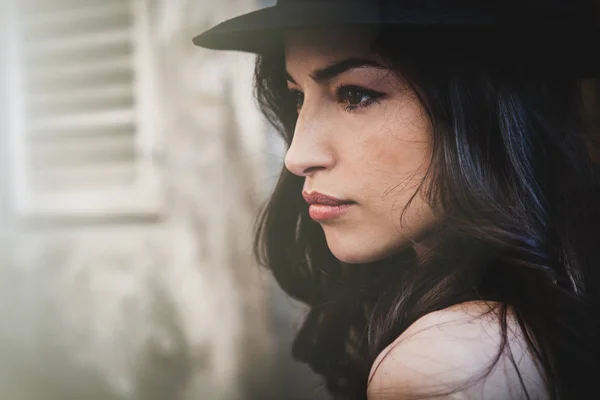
400 160
385 162
395 157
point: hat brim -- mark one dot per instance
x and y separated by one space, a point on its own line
568 45
259 30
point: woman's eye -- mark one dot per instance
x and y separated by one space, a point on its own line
356 97
352 97
297 98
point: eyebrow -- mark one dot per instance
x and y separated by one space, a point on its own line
329 72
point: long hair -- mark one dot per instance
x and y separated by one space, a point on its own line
511 172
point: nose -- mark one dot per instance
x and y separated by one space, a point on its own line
311 148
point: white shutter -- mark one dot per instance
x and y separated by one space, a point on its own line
85 120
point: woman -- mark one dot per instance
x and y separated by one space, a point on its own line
439 207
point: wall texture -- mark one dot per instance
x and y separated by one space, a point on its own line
169 308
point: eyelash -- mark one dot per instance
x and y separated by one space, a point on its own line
342 92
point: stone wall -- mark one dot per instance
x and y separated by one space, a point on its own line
171 308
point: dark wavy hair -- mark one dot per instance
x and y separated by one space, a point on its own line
511 169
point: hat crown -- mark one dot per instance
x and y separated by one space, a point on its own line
581 5
523 12
533 32
368 3
328 1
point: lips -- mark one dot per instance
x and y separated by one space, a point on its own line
322 199
323 207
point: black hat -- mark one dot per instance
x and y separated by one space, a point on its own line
561 34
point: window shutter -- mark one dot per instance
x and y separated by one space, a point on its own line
86 124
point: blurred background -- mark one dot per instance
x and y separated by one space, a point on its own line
132 165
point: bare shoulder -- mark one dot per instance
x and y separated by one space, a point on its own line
447 349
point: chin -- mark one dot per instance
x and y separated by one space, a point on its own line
351 256
360 252
361 246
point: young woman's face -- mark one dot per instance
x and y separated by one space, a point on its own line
361 136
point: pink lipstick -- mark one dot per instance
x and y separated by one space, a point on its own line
323 207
